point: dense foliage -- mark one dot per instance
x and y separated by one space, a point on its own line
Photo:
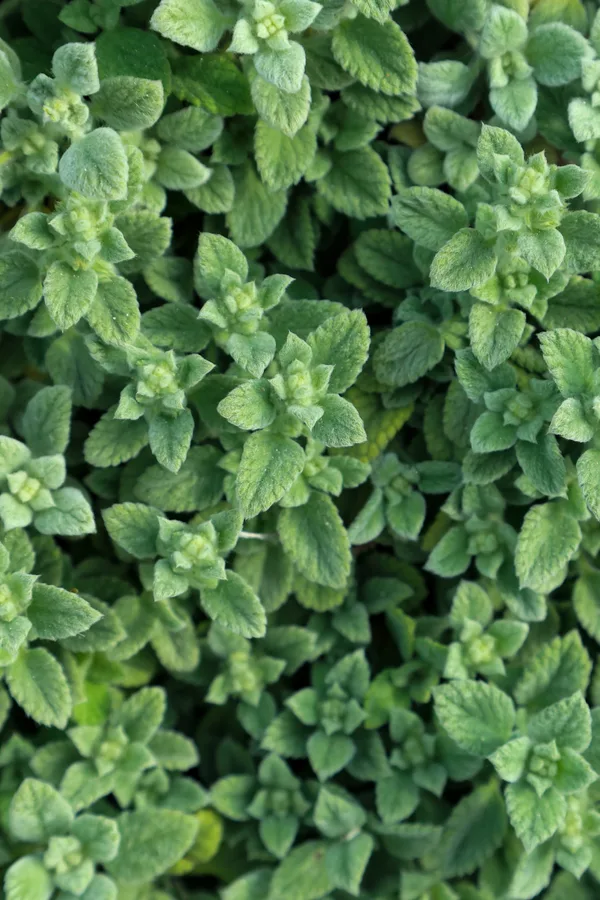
299 449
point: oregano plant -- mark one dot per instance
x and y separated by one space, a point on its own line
299 450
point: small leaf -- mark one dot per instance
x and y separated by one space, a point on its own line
234 604
465 262
347 861
269 466
114 314
193 23
20 284
96 166
477 715
474 831
549 538
27 879
430 217
56 613
134 527
151 844
38 684
407 353
316 540
170 438
377 54
302 875
535 819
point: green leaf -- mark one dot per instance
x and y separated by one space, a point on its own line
588 475
342 341
478 716
407 353
151 844
257 211
396 797
494 333
375 9
56 613
71 515
269 466
20 284
556 52
173 751
279 109
535 819
347 861
329 753
337 813
175 327
37 811
114 314
214 82
69 363
179 170
340 425
586 602
232 795
38 684
570 421
575 308
428 216
302 875
132 51
543 464
497 142
198 484
465 262
252 352
474 831
142 714
68 293
190 128
193 23
96 166
489 434
385 256
216 195
358 184
548 539
444 83
283 160
581 233
282 67
27 879
46 423
214 256
314 537
515 103
170 438
147 235
450 556
504 30
558 669
134 527
113 441
377 54
127 103
406 517
568 722
543 250
234 605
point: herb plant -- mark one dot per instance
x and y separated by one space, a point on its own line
299 449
